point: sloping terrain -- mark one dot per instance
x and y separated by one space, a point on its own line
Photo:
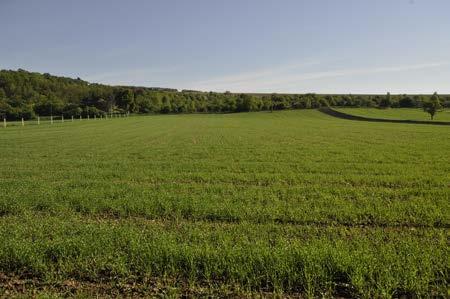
377 116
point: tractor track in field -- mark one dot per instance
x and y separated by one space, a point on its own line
331 112
115 217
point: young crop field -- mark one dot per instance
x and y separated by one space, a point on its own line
397 113
291 203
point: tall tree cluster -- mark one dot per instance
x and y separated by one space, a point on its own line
26 95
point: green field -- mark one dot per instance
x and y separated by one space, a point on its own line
397 113
292 202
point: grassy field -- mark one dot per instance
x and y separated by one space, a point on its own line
397 113
292 202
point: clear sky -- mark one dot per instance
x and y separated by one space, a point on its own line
323 46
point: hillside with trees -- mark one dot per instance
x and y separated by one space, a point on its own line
26 95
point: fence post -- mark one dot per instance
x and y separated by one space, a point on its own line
23 123
72 118
51 119
39 120
95 117
80 116
62 118
88 116
4 123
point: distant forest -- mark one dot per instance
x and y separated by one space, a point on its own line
26 95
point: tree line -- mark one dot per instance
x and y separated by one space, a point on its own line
26 95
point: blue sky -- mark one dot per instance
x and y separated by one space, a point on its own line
323 46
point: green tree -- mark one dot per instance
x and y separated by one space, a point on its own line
386 102
166 105
2 94
230 104
406 101
5 108
433 105
329 100
245 103
126 101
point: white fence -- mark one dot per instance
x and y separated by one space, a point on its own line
59 119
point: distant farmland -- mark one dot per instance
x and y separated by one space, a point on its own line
288 203
403 113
